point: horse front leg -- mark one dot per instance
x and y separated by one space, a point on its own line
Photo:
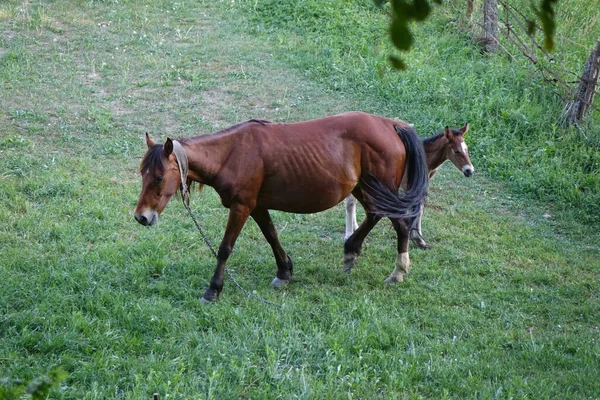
237 218
402 259
285 267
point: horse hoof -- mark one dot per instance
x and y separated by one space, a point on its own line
349 261
208 298
423 245
279 283
394 279
420 243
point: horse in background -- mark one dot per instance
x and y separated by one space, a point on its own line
303 167
446 145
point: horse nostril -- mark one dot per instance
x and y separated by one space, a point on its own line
141 219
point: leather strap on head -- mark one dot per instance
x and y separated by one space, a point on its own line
182 162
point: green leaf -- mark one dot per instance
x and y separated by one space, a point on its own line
401 36
546 15
40 388
549 40
530 27
397 63
421 9
403 10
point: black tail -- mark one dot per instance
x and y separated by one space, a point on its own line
388 203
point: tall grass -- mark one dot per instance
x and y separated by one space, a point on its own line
514 113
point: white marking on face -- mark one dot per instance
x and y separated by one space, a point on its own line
464 147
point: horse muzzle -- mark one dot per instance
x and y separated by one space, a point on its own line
147 218
468 171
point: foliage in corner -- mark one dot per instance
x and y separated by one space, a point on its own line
546 15
39 388
406 11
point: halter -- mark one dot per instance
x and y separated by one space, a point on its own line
182 162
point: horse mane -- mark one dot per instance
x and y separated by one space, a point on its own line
153 159
228 130
241 124
433 138
437 136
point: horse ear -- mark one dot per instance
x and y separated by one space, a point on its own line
149 142
168 147
465 128
447 132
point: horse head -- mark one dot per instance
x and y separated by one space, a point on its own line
457 150
160 180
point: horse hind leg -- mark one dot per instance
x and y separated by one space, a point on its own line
353 245
402 259
285 266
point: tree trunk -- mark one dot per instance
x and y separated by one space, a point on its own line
587 88
490 26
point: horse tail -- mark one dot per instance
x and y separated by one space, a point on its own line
388 203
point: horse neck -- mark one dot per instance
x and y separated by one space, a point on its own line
435 152
205 158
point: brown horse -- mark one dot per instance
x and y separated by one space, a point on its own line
303 167
447 145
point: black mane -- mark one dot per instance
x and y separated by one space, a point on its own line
435 137
153 159
229 129
241 124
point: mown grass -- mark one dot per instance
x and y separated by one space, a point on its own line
505 305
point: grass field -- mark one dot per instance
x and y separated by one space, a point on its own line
505 305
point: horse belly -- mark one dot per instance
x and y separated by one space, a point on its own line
309 176
303 197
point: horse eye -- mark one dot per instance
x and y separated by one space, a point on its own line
457 152
158 180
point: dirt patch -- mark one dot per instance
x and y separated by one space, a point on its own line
214 104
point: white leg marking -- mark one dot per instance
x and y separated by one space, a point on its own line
351 224
419 220
402 268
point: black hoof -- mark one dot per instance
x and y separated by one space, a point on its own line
209 297
421 244
418 240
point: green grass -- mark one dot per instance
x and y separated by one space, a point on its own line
505 305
